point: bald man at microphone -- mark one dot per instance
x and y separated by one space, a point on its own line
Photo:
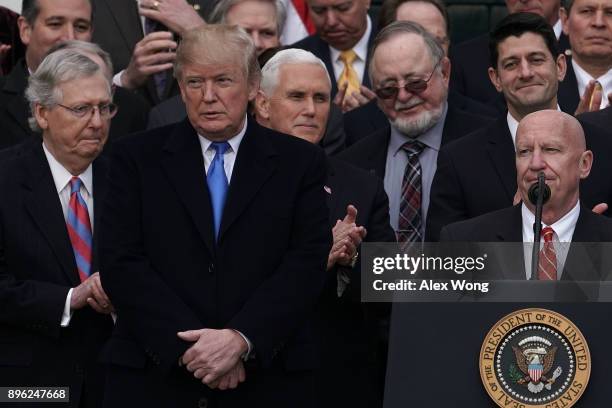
551 142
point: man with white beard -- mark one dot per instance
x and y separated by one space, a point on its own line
409 73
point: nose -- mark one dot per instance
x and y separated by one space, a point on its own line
331 19
96 121
403 95
257 40
525 70
537 162
208 93
309 107
68 32
598 18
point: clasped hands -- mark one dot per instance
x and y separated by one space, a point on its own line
347 238
215 357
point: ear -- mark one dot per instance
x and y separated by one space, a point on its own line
262 106
564 16
253 89
445 66
495 79
25 30
40 114
585 164
561 67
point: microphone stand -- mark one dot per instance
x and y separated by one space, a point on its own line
537 227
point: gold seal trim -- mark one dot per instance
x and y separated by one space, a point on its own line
544 336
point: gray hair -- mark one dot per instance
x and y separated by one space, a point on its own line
436 52
85 48
216 43
57 68
270 71
219 13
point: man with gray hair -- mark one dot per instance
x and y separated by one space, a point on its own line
54 309
294 98
410 75
216 294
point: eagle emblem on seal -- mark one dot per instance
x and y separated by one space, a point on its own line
535 358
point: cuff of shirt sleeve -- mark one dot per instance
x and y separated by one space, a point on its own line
67 315
117 78
246 355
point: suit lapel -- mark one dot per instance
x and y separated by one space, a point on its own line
46 210
15 84
184 165
337 191
252 168
511 254
567 93
100 187
501 153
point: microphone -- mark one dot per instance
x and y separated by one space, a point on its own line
538 194
534 191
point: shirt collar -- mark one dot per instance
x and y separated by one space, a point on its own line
234 142
583 78
557 27
431 138
61 176
360 49
564 227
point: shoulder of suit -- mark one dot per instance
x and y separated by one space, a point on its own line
473 140
357 175
473 228
468 47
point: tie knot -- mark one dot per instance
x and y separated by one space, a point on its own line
547 234
220 147
348 56
413 147
75 185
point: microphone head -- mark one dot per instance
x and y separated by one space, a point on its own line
534 191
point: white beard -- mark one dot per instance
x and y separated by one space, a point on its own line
419 125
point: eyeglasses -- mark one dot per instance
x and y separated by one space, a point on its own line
415 86
106 110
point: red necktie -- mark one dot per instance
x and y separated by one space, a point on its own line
547 265
79 229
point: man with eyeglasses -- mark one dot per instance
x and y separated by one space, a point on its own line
43 25
55 314
409 73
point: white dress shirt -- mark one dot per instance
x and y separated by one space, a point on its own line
229 159
562 238
361 50
583 78
61 178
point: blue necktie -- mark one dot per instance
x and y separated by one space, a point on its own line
217 183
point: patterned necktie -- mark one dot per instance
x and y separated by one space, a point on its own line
217 183
410 222
547 262
349 75
159 78
79 229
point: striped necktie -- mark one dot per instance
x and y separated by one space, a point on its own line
217 183
349 75
547 262
79 229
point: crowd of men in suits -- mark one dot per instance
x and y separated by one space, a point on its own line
184 199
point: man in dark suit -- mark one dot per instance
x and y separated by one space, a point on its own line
344 35
476 174
410 74
55 315
590 59
294 98
551 142
215 295
601 118
471 58
141 38
74 20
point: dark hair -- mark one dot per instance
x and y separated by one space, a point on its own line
567 4
388 12
517 24
30 10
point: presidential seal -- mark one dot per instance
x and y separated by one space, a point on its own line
535 358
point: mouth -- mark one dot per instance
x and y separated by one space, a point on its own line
211 115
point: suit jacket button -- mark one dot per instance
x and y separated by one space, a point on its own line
203 403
